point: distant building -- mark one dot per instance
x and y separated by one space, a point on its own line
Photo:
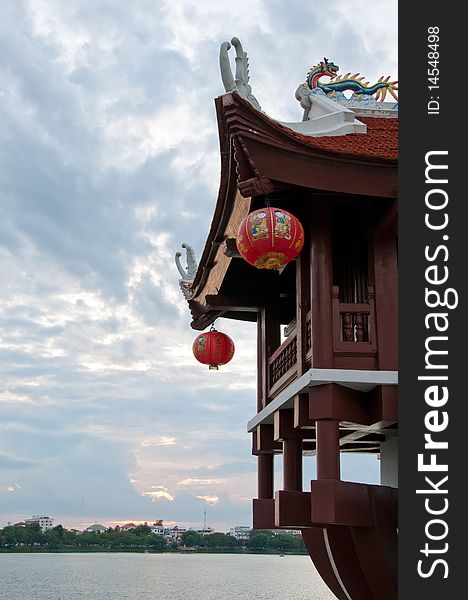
96 528
128 526
174 534
286 532
157 528
240 532
203 530
45 523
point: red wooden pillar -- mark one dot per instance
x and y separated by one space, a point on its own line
265 476
292 465
263 447
328 449
386 294
269 339
261 371
321 282
292 449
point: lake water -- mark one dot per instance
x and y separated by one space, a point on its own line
122 576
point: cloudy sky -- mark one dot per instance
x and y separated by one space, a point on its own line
109 161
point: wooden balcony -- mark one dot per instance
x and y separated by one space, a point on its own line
282 366
354 338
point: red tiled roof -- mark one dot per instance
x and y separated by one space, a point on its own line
380 141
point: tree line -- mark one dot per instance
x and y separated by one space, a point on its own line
259 540
139 539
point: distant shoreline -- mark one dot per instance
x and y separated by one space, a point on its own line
144 551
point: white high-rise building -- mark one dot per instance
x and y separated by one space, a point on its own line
45 523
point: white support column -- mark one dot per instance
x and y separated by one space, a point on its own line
389 462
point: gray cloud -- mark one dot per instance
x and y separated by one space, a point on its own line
109 160
14 462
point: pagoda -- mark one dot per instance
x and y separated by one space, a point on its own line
327 321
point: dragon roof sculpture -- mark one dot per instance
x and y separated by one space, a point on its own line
342 83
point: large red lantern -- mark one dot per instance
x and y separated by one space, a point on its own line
270 238
213 348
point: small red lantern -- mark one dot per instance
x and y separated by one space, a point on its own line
213 348
270 238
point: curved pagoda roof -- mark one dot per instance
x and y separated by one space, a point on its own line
261 156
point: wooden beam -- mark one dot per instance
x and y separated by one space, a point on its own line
263 513
340 503
263 442
292 510
301 412
384 405
283 422
225 303
332 401
361 437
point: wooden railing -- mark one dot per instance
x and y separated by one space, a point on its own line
282 364
354 335
354 324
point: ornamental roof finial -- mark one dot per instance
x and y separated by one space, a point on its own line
240 83
188 274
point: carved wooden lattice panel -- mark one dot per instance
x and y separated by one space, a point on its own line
284 361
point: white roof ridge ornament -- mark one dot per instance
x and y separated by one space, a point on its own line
188 274
323 116
239 83
327 111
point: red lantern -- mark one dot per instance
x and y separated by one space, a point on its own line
270 238
213 348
